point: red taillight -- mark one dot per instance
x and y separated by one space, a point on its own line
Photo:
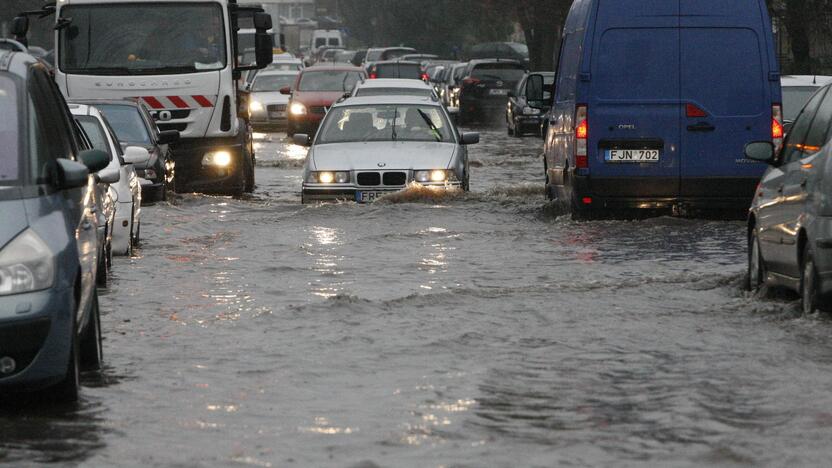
425 77
777 130
694 111
373 76
587 200
581 136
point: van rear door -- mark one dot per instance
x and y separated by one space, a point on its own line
726 96
634 99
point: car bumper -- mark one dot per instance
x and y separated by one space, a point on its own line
351 192
36 331
263 123
528 123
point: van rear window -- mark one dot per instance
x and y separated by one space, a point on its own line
637 63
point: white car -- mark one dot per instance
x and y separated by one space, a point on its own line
267 105
393 87
371 146
126 193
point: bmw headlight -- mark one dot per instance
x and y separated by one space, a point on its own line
531 111
435 176
255 106
297 109
26 265
217 158
329 177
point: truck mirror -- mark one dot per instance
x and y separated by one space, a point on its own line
534 90
20 28
264 48
262 21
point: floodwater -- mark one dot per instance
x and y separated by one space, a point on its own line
424 331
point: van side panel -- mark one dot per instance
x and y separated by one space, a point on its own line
633 98
725 70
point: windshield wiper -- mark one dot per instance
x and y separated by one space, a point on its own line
432 126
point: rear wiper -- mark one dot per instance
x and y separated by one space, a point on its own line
426 118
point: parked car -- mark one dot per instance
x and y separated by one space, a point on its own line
394 87
134 126
797 89
314 92
49 318
450 85
267 105
653 111
396 69
528 103
500 50
483 92
371 146
126 192
790 221
383 54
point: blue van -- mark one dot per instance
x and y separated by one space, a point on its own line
655 101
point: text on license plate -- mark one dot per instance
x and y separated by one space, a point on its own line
635 156
368 197
499 92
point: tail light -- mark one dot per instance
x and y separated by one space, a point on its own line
581 136
373 76
425 77
777 131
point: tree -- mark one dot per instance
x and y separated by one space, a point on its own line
542 22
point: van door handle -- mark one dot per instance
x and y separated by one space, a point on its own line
701 127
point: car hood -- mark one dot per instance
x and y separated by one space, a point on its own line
317 98
14 215
385 155
266 97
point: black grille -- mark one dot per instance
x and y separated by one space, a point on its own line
368 178
395 178
22 341
172 126
276 107
317 110
174 114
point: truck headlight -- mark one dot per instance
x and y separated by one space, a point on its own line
329 177
255 106
436 175
297 109
26 265
217 158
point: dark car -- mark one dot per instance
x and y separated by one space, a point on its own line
790 221
135 126
500 50
382 54
528 103
49 246
483 92
396 69
359 57
315 90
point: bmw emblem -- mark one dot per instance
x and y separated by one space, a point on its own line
382 165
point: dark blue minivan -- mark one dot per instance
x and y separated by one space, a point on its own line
655 101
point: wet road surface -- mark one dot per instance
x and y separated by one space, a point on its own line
462 330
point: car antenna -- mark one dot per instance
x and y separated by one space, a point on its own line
815 80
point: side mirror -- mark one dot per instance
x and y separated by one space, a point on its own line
534 89
262 21
286 90
762 151
264 47
109 175
470 138
137 156
94 160
302 139
69 174
167 137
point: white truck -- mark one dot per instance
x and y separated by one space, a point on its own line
181 59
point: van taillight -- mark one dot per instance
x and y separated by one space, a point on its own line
777 131
581 136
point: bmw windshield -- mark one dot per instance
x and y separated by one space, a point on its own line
354 124
142 39
10 148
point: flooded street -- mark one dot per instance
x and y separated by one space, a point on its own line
471 329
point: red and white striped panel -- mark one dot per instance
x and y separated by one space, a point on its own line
178 102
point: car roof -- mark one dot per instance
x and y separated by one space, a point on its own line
16 63
393 83
277 72
397 62
494 60
329 67
805 80
119 102
387 100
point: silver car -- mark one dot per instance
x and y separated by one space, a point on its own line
371 146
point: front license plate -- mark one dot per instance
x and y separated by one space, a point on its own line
499 92
632 156
368 197
277 115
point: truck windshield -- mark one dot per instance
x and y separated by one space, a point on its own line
142 39
9 132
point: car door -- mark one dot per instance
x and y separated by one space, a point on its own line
775 218
514 100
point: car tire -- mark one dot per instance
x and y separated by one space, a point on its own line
102 276
249 173
66 391
756 273
91 348
809 297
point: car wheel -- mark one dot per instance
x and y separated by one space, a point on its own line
90 347
66 391
755 276
808 284
138 236
249 168
101 278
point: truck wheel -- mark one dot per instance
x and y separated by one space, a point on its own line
91 350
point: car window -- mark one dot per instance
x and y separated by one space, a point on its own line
10 157
329 80
816 138
95 132
399 70
793 148
273 82
127 122
385 123
794 98
498 71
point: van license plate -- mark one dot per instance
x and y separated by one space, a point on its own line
368 197
632 156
